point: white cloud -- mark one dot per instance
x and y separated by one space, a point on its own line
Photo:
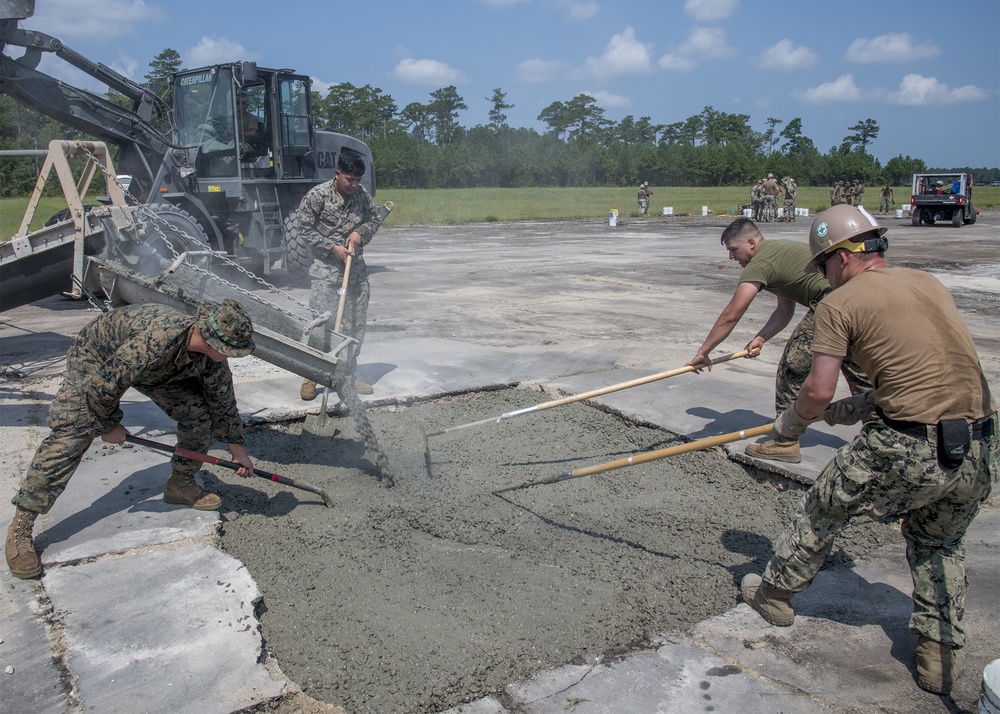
607 99
214 49
625 56
785 55
583 10
539 70
917 90
427 71
70 19
703 43
708 10
841 89
893 47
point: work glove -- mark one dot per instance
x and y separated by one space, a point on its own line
791 425
850 410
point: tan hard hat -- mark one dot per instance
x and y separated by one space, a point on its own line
838 224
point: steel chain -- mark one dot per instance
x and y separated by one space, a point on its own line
155 222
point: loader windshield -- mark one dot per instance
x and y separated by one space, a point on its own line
205 104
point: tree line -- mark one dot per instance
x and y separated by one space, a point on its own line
424 145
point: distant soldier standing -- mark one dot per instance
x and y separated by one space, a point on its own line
790 188
886 200
757 200
835 193
859 192
770 198
925 450
847 193
176 360
644 194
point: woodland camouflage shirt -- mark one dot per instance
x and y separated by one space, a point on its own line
145 347
326 219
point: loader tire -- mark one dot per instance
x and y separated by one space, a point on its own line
297 250
168 231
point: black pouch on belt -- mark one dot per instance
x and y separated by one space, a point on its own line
952 442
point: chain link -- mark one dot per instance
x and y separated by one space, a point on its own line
154 220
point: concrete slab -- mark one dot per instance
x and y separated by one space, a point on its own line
677 678
29 679
169 631
115 504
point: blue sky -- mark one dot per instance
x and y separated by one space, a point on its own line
927 72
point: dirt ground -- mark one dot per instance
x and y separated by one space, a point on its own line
437 592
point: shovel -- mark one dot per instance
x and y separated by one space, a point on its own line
698 445
205 458
320 424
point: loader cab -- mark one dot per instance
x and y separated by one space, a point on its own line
247 122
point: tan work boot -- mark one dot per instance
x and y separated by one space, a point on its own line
769 602
182 490
938 665
308 390
361 387
22 560
777 449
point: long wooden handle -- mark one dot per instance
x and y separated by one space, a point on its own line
343 294
633 383
698 445
588 395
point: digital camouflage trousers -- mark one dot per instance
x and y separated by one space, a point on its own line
324 296
884 474
72 432
796 361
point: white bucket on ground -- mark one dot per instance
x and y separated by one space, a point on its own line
989 694
704 210
906 207
781 213
668 210
613 217
747 212
899 213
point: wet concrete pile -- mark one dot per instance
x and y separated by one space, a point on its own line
435 592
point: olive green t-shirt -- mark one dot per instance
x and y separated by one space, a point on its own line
903 327
780 267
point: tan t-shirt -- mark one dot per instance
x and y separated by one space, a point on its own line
903 327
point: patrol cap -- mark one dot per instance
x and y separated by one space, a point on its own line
226 328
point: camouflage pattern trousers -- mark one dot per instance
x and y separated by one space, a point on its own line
884 474
324 296
789 214
72 432
796 361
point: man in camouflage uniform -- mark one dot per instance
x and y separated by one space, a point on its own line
790 189
757 200
926 448
847 193
176 360
338 218
770 188
886 199
778 267
644 194
859 193
835 192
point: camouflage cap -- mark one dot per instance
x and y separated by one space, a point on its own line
226 328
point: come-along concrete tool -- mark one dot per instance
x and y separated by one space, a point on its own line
574 398
205 458
648 456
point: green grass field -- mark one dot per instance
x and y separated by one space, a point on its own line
483 205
